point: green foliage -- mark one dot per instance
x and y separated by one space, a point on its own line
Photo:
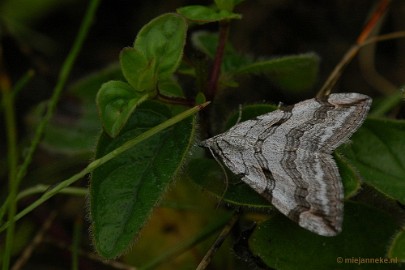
227 4
162 40
117 214
116 101
397 247
203 14
209 175
377 152
283 245
138 70
157 51
124 191
293 73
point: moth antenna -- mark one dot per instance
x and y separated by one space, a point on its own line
239 114
225 174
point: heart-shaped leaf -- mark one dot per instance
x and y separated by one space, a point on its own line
162 41
139 71
116 101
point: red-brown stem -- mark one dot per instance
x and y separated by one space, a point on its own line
351 53
216 68
371 23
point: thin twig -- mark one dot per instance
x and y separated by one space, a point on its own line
216 68
351 53
385 37
218 242
63 76
26 254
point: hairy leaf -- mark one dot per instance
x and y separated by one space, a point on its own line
162 40
397 248
377 150
282 244
116 101
292 73
203 14
124 191
209 175
138 70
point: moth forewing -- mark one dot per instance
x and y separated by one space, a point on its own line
285 156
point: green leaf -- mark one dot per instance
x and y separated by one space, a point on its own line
291 73
282 244
162 40
209 175
227 5
207 43
170 87
377 150
397 248
203 14
200 98
124 191
116 101
349 175
138 70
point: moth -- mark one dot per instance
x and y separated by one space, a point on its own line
286 156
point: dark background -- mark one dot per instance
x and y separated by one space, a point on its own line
268 28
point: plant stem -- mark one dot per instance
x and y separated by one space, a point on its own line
14 175
216 68
98 162
21 83
12 158
73 191
63 76
218 242
77 232
351 53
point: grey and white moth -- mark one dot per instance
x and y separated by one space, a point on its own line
286 156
